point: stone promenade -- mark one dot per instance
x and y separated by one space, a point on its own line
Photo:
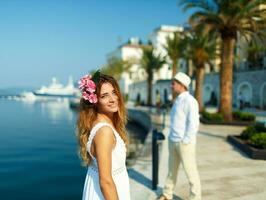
226 173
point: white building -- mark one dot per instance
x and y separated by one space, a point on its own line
251 84
132 52
158 39
134 83
162 78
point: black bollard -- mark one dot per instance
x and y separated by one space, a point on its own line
156 136
164 113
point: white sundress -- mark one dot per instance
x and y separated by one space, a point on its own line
92 189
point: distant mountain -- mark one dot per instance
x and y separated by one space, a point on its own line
15 90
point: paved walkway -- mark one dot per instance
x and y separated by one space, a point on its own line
226 173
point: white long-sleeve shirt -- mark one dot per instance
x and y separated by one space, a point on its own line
184 119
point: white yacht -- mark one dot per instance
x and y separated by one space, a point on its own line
55 89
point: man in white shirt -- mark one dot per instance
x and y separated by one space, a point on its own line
182 139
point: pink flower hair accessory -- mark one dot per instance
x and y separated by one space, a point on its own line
87 85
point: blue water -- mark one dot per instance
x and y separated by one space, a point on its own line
38 152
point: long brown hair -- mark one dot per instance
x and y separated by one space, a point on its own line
88 114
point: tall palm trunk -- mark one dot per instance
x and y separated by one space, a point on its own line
226 78
199 84
149 99
189 67
174 71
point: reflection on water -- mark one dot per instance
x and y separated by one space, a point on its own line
57 110
54 110
38 151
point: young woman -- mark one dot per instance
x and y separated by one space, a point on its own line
102 138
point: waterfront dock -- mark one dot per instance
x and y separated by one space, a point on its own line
225 172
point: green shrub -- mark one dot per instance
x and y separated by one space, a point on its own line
258 140
251 130
205 115
217 117
260 128
237 114
247 117
248 132
244 116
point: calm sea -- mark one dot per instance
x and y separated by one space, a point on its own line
38 151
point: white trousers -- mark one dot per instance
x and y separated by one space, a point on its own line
185 154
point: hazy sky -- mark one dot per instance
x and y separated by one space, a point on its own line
40 39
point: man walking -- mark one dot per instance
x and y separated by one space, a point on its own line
182 139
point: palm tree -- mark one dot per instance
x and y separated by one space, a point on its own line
150 63
174 50
255 51
116 66
201 49
230 19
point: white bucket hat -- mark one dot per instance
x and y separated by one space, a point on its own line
183 79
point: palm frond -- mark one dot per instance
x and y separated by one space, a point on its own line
116 66
203 5
173 46
201 48
151 62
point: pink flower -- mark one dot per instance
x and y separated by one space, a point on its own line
85 95
88 88
91 97
85 83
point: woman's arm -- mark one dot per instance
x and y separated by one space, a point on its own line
104 141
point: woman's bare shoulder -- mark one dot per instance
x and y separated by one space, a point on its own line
105 135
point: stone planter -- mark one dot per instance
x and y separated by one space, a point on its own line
252 152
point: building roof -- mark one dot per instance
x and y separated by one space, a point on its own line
168 29
134 45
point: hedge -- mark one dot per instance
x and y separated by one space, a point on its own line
212 116
237 116
243 116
